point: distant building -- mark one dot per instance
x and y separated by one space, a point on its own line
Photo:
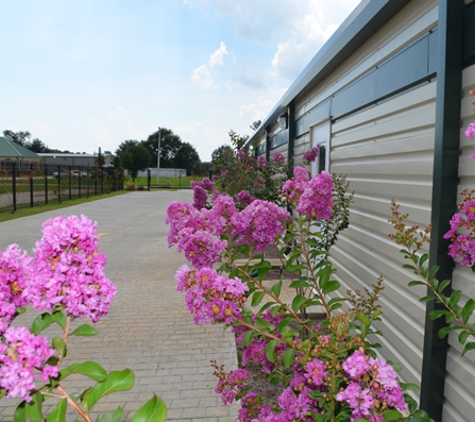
52 160
13 153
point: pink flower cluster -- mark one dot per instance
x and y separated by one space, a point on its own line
311 154
14 279
232 385
69 271
278 158
211 297
259 224
373 387
23 356
463 244
313 197
197 232
203 193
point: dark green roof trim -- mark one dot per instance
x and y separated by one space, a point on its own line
469 35
9 149
366 19
444 193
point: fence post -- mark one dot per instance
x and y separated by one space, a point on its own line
70 180
46 183
79 182
32 204
149 179
14 187
59 183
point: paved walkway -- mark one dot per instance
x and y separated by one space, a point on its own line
148 328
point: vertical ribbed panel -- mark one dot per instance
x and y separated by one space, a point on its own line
387 153
459 386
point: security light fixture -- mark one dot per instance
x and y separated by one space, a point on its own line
282 120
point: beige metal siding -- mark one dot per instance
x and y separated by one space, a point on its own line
387 152
460 381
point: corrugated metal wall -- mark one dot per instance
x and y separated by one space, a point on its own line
387 153
460 402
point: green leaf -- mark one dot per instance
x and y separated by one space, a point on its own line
468 346
112 417
288 359
463 336
423 259
84 330
432 272
391 415
297 302
446 330
270 350
262 265
33 408
257 298
262 324
247 338
467 310
410 386
59 412
410 267
90 369
60 319
331 286
454 298
416 283
20 414
60 345
442 286
152 411
40 323
298 284
276 288
115 381
360 316
421 416
438 313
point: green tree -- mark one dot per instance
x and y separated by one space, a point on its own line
124 146
36 145
187 158
222 157
136 158
20 138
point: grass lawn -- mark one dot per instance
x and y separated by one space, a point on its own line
26 211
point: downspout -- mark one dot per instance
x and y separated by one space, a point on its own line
291 138
444 193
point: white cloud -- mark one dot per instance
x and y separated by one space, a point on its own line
310 32
203 75
256 111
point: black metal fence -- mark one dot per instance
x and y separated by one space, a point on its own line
29 186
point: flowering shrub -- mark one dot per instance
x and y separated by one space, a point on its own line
66 280
261 179
328 369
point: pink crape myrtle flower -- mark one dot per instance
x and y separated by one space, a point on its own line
14 279
470 132
315 372
22 358
294 187
262 162
278 158
259 224
210 296
68 270
370 380
316 201
311 154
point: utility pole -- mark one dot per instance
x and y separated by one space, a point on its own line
158 154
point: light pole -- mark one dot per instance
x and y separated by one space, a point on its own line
158 154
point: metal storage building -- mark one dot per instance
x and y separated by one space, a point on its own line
387 99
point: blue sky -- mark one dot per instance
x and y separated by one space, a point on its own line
80 75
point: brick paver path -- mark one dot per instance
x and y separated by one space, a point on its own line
148 328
